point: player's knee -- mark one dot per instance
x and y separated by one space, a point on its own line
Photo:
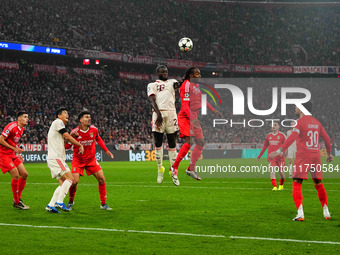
172 143
24 175
200 142
70 178
101 180
16 176
317 181
158 144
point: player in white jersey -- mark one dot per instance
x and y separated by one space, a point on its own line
161 95
291 151
56 157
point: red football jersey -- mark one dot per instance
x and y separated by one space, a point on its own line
12 133
87 139
308 130
191 98
273 142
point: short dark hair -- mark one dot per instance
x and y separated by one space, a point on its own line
60 111
308 105
159 67
21 112
81 114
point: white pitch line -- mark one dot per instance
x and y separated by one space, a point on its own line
282 240
114 230
170 233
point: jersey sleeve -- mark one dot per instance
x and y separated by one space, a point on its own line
290 139
150 89
7 131
60 125
185 97
265 146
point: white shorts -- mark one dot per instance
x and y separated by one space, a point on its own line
169 125
58 167
291 153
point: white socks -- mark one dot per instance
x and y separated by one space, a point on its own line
64 190
159 157
54 197
325 211
172 155
300 212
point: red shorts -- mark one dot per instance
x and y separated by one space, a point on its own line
276 165
187 128
303 165
9 162
90 168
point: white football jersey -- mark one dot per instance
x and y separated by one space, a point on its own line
56 147
293 145
164 92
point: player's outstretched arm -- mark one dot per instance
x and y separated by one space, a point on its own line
217 112
3 142
103 146
70 139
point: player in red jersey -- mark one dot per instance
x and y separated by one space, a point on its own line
87 135
273 141
308 159
10 159
189 125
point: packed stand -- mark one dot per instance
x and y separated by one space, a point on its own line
121 111
224 33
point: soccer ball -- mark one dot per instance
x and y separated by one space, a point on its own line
185 44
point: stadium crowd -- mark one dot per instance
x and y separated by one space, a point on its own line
224 33
120 108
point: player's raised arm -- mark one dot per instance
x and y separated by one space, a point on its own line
70 139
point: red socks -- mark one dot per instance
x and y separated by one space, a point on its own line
297 194
72 193
282 181
181 154
196 153
15 190
274 182
102 193
321 194
101 188
22 184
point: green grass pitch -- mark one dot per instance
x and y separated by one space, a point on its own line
217 210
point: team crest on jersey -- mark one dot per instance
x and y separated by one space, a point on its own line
91 134
278 137
11 164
